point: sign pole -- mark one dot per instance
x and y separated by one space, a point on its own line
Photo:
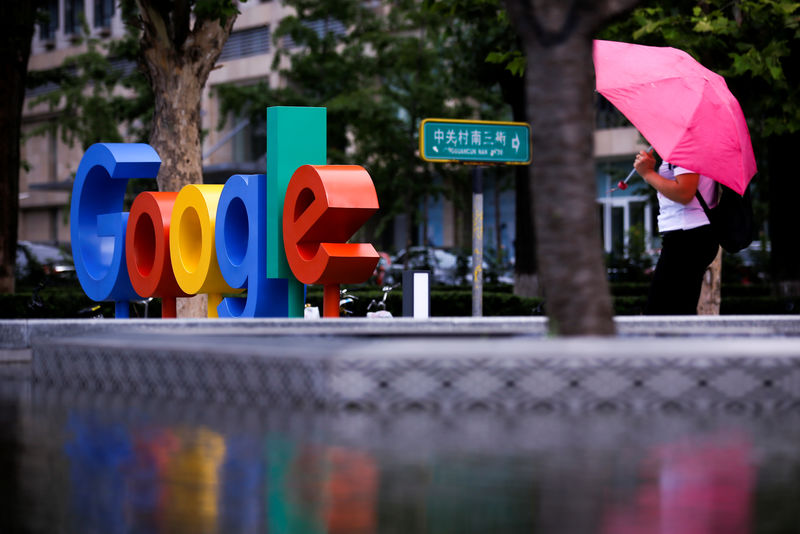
477 241
477 143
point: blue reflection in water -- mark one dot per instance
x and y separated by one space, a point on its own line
242 479
98 453
152 479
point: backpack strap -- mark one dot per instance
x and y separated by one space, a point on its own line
718 187
703 203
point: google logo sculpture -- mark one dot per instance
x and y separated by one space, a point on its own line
266 234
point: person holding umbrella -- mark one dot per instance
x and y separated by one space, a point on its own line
688 244
688 114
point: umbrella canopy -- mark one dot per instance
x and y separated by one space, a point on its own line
683 109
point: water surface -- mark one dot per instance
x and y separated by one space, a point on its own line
82 462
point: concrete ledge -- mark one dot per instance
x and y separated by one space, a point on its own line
441 373
20 333
709 325
15 355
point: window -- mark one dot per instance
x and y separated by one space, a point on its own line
321 27
73 16
625 216
244 43
103 11
250 143
48 27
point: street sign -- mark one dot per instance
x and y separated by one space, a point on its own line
482 142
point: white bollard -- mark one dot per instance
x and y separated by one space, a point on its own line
417 294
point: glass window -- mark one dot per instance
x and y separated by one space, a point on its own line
625 216
103 11
250 143
48 27
73 16
244 43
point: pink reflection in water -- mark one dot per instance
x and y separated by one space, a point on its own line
699 486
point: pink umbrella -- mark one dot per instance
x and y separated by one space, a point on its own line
683 109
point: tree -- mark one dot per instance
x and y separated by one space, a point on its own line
490 56
176 45
379 70
557 39
15 48
754 44
180 44
109 98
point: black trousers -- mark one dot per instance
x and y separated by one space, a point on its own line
678 278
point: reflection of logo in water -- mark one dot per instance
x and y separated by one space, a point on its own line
316 489
192 481
98 452
698 486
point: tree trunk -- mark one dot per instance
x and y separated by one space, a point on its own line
558 43
526 279
15 48
711 291
177 63
784 190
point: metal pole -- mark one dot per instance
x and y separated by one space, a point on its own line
477 241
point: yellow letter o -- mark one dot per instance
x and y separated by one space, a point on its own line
192 245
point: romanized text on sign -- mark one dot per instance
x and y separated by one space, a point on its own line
488 142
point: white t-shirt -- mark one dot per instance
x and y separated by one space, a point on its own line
676 216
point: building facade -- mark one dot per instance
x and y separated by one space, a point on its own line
240 146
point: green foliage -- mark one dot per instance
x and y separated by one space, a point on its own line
106 99
767 305
220 10
378 79
60 302
50 304
57 300
513 60
104 103
445 302
484 29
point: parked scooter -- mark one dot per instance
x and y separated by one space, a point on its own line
377 308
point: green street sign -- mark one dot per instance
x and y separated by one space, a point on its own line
478 142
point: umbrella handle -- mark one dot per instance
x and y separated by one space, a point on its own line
633 171
630 175
622 185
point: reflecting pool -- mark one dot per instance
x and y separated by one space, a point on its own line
82 461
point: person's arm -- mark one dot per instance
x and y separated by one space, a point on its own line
680 190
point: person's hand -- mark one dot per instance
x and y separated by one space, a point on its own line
644 163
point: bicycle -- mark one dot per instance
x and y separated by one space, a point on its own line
379 306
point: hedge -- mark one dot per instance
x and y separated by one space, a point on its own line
64 303
628 299
444 303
